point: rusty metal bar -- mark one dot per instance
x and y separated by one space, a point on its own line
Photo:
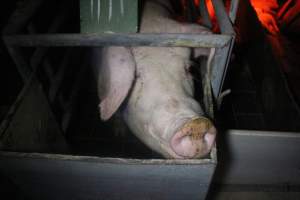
171 40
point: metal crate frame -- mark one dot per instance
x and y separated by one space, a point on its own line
221 42
21 18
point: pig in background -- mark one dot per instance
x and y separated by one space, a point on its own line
152 88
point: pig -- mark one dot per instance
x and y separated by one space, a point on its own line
153 89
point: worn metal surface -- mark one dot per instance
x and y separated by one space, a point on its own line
222 57
219 67
259 158
100 16
145 39
46 176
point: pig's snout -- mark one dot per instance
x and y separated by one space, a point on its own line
195 139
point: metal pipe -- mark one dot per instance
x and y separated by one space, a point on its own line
222 17
170 40
204 14
233 10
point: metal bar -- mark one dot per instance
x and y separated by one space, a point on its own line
39 54
58 21
103 160
56 82
20 62
227 60
222 17
21 16
204 14
220 63
10 114
48 69
100 178
172 40
74 93
16 22
222 57
233 10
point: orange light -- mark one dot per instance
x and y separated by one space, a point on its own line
266 13
209 7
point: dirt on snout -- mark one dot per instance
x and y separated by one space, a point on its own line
196 128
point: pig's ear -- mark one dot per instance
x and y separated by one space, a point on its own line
116 77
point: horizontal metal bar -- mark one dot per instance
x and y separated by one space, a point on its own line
145 39
60 18
104 160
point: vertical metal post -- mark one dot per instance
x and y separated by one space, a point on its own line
204 14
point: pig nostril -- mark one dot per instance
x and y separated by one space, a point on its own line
209 137
195 139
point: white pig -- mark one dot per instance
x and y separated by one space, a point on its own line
156 89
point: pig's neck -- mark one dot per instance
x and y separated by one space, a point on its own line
157 18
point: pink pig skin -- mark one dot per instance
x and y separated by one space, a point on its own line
160 109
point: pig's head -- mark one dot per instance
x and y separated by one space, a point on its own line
176 130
